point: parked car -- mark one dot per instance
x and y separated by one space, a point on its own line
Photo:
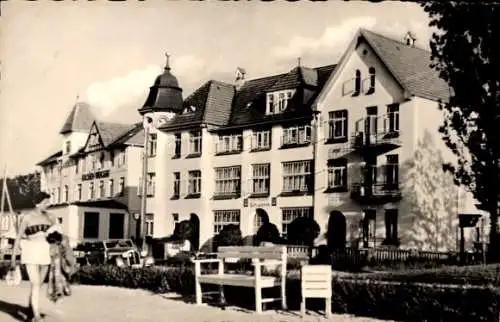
119 252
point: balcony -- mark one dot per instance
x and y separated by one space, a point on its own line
377 193
369 133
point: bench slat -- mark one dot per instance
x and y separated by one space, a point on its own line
246 252
238 280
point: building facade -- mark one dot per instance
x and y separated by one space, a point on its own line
354 145
93 180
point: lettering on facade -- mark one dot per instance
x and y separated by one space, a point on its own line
259 203
95 175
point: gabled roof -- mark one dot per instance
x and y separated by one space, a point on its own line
79 119
53 158
249 106
212 105
410 66
110 132
134 136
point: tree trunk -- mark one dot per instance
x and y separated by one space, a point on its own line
494 240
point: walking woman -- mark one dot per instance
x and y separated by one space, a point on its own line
35 249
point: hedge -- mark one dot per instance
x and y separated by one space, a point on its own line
402 301
457 275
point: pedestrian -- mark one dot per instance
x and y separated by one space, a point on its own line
31 238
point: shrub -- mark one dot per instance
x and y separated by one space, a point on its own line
230 235
303 231
268 232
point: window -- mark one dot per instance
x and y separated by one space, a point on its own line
195 142
337 125
371 122
337 174
112 158
261 178
101 189
58 194
93 162
369 227
391 123
357 83
68 147
194 183
91 225
177 138
150 184
371 88
177 184
292 213
257 223
121 187
152 143
277 102
77 166
66 194
391 227
121 158
111 188
79 192
296 135
149 224
229 143
297 176
227 181
102 157
225 217
116 225
392 171
91 190
261 140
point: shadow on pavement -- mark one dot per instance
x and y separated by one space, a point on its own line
17 311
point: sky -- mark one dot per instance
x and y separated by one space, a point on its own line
109 53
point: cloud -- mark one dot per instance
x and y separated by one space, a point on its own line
335 39
131 89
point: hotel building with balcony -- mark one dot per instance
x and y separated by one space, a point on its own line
343 143
337 143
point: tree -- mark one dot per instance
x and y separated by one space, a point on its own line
466 55
23 190
268 232
302 231
183 230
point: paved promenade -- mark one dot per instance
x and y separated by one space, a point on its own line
98 303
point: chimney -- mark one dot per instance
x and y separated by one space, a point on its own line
240 78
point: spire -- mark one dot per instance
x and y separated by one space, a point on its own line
298 62
167 65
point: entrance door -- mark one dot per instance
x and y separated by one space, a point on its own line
336 230
116 225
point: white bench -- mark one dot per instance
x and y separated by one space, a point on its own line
278 255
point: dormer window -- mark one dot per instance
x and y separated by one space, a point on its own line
277 102
189 109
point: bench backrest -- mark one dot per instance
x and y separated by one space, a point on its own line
316 280
250 252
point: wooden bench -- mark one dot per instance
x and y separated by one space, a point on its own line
276 253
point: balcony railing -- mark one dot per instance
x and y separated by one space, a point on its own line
376 192
386 131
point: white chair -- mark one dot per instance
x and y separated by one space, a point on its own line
316 282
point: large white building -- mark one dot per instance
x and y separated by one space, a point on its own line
355 145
